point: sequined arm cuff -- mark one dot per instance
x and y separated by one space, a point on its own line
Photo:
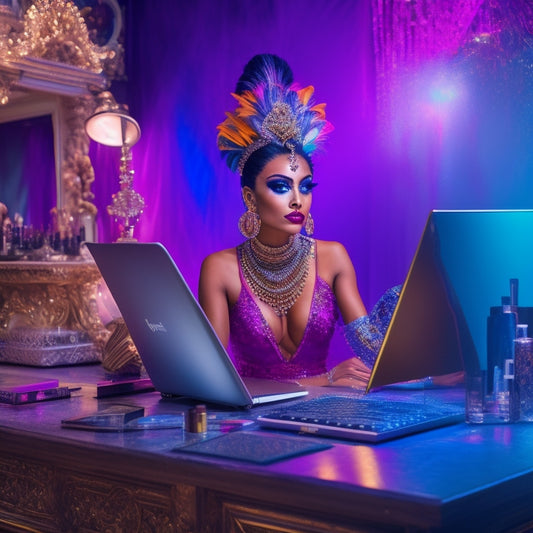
365 334
364 339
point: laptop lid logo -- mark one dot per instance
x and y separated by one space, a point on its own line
155 328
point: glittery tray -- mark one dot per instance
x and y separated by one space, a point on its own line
259 448
46 348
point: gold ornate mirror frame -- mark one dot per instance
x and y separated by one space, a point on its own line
49 65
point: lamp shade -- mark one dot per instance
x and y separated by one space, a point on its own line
111 124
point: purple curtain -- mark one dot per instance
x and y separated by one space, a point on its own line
430 104
183 60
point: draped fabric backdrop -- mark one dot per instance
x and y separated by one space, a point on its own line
430 100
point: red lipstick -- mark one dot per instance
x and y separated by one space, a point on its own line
295 217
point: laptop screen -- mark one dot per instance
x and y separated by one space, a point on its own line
462 267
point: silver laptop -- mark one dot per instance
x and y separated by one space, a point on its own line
178 347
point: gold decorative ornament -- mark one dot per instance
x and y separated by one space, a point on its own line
120 354
277 275
271 110
281 123
55 30
50 314
309 225
249 224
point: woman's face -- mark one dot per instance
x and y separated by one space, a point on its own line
282 197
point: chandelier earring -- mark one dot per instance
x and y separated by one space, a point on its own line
309 225
249 223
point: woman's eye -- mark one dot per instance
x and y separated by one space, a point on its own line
279 187
307 186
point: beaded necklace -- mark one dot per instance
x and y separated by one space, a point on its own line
276 275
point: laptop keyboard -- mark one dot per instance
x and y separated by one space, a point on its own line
375 416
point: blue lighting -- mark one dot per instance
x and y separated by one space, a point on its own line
442 95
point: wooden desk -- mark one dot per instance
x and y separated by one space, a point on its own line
460 478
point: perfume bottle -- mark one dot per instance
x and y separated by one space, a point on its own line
501 386
524 372
501 333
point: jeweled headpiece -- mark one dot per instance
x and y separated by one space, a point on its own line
271 110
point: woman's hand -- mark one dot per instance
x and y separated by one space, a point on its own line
350 373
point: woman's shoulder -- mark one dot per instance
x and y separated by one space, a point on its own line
220 274
330 249
333 259
220 259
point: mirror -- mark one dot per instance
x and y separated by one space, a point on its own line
49 78
65 115
27 159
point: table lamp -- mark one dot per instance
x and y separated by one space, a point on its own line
112 125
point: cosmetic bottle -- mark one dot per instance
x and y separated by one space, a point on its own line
524 372
501 387
196 419
513 298
501 333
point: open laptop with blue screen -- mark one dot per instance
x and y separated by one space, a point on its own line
461 269
178 347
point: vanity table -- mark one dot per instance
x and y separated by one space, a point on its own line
50 68
49 313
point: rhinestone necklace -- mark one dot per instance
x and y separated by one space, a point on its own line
276 275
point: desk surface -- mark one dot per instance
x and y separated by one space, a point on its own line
460 477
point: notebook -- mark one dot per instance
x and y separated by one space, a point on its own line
178 347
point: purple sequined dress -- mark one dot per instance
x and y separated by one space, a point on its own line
253 346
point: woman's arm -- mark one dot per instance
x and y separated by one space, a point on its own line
335 266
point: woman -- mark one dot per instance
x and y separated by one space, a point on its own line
274 300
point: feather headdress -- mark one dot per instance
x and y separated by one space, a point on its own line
271 109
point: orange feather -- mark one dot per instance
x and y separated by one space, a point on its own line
305 94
